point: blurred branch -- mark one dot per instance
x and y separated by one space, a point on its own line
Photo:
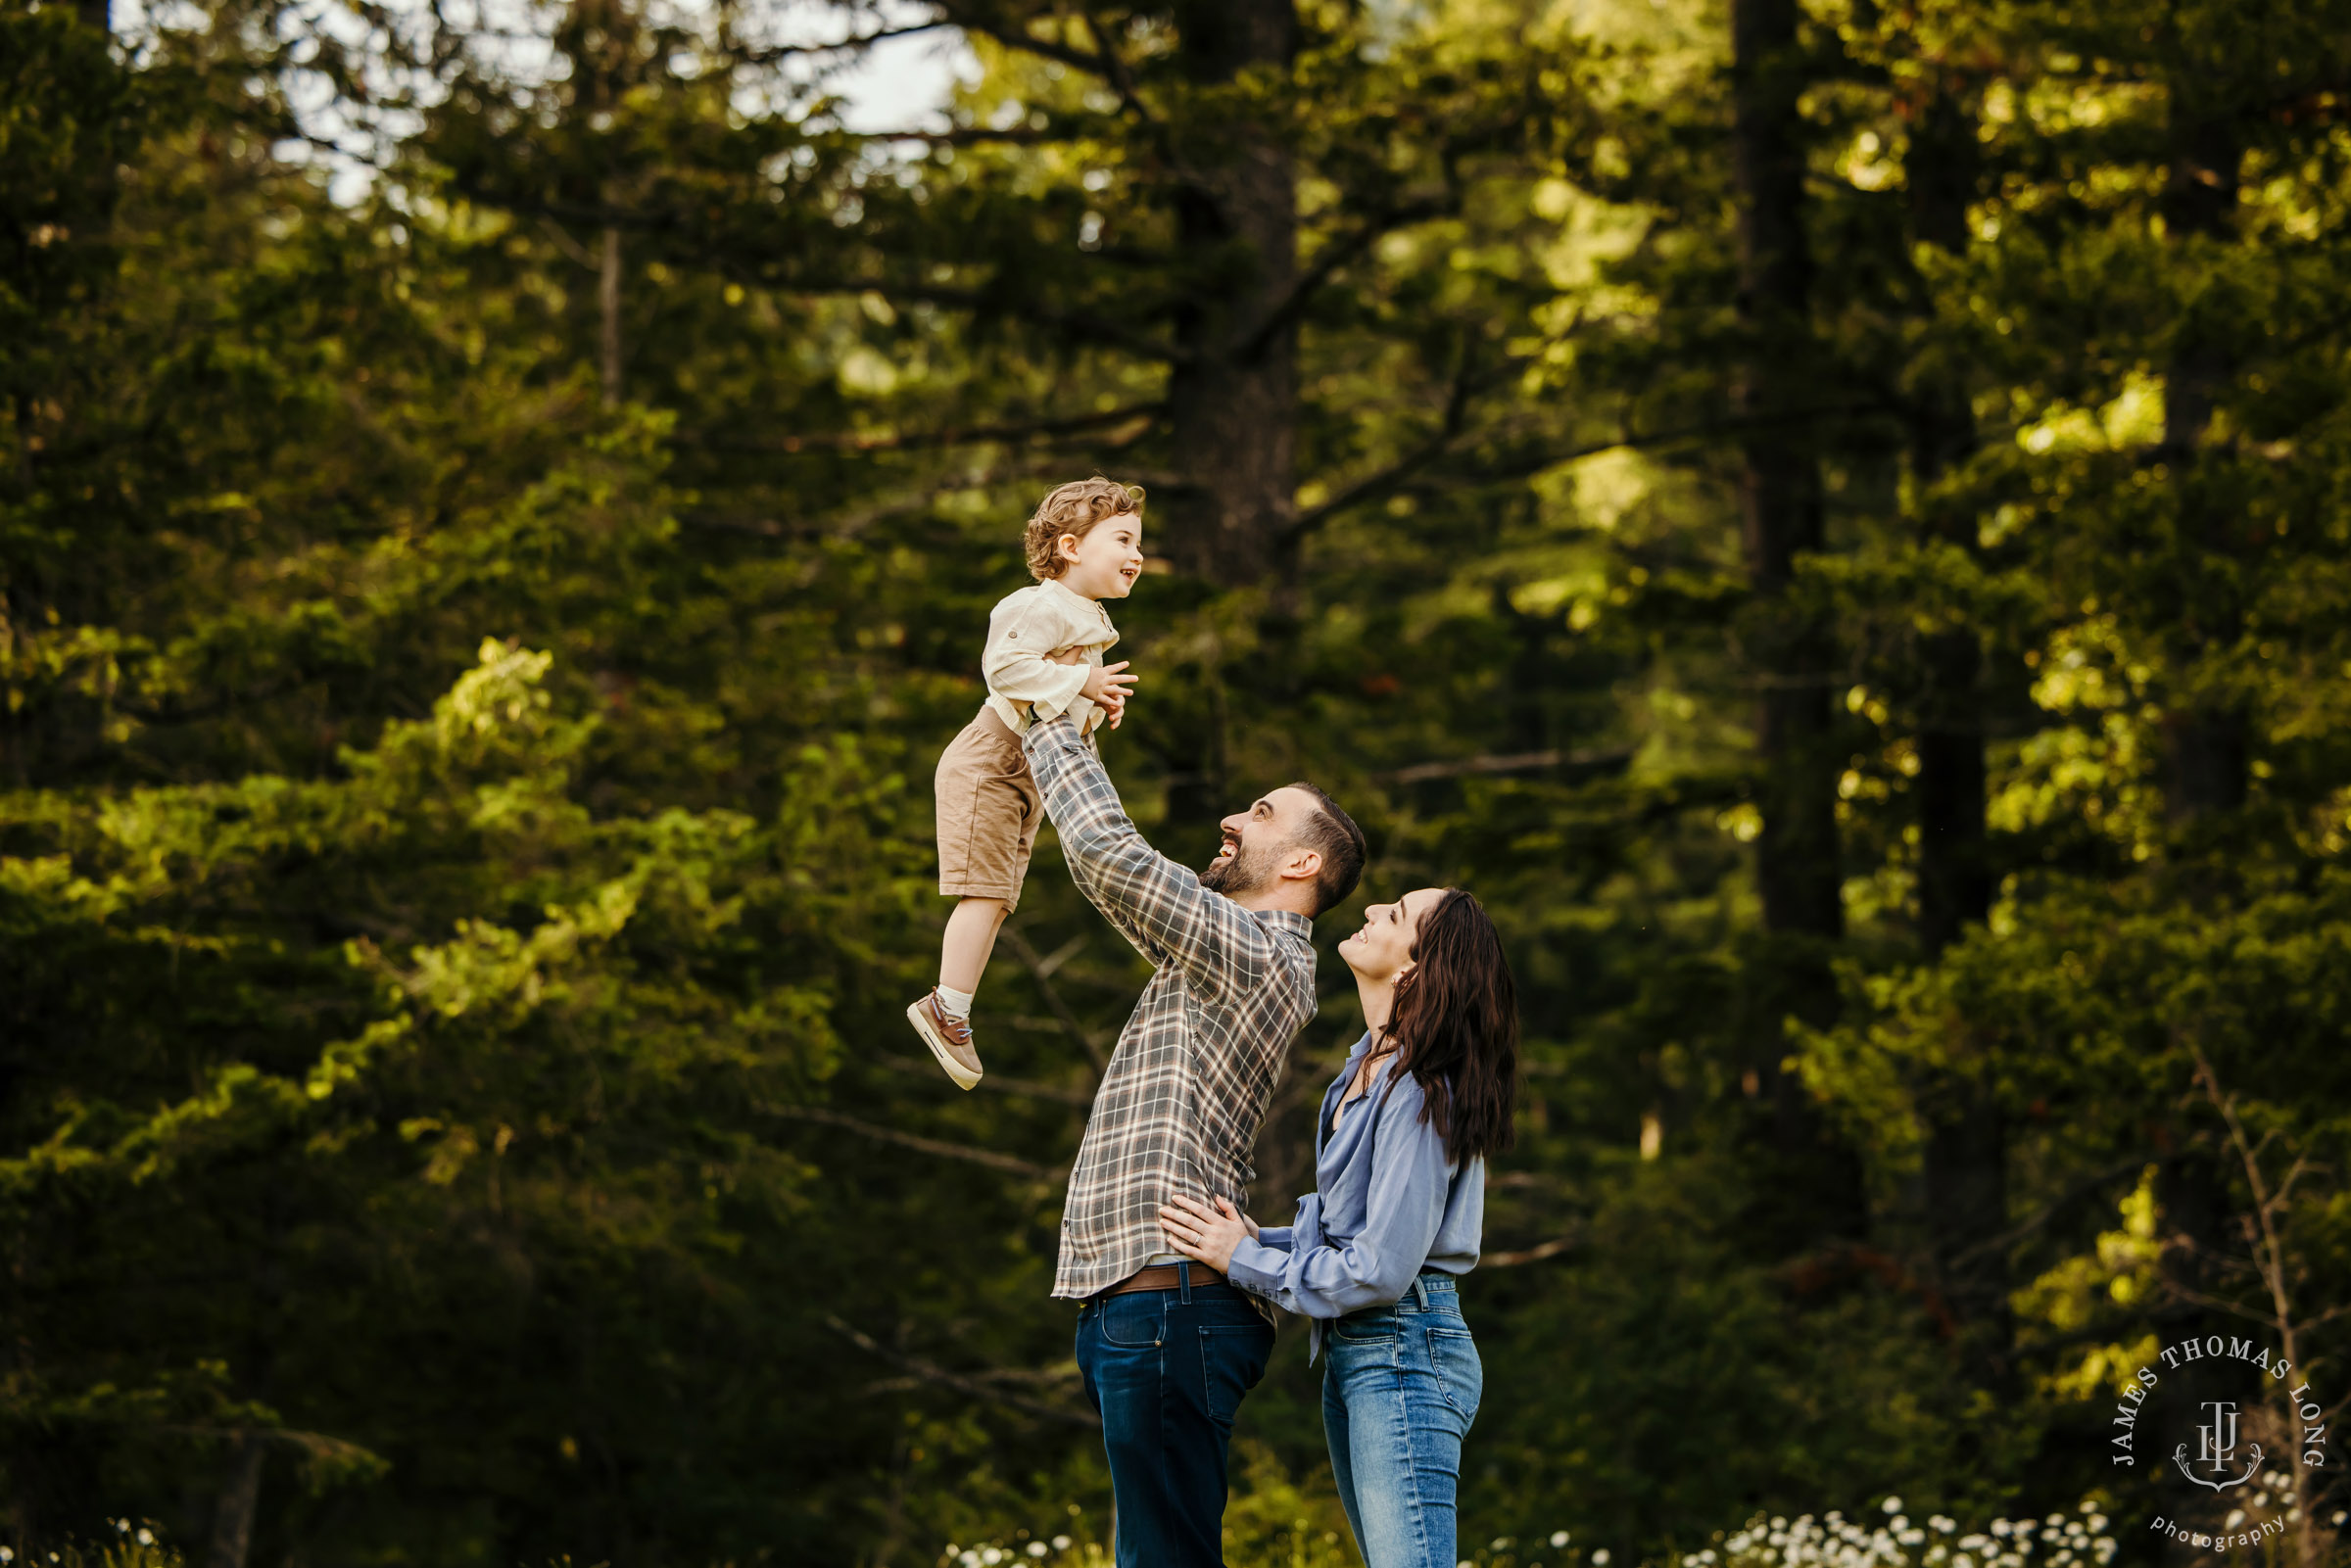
2087 1187
1081 324
1530 1254
1336 254
1514 762
1042 973
948 435
1026 1088
1017 39
1541 459
989 1158
979 135
789 51
1371 486
980 1388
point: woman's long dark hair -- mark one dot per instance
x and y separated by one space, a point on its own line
1455 1027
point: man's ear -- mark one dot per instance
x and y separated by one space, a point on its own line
1301 864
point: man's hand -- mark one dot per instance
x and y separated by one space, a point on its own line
1107 687
1204 1234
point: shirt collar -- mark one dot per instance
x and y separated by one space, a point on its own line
1072 596
1287 920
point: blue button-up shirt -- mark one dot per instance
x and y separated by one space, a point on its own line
1389 1204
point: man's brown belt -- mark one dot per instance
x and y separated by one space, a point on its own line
1164 1276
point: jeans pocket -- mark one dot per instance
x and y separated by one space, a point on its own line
1131 1321
1374 1328
1232 1357
1461 1374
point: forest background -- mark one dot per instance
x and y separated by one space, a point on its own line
1827 516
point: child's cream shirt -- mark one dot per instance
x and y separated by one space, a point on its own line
1027 632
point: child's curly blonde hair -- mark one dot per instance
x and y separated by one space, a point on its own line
1075 509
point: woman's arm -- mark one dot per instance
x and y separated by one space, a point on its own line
1410 1179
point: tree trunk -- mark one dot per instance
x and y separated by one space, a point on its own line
607 305
2204 742
1232 398
1967 1134
1789 652
240 1494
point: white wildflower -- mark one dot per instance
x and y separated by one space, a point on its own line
1037 1549
1600 1559
1560 1537
1893 1505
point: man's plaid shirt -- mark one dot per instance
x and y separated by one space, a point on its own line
1186 1090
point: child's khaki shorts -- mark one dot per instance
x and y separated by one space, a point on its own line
988 811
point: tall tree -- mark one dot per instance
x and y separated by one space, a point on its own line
1966 1155
1790 651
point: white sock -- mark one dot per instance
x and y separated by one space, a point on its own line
955 1004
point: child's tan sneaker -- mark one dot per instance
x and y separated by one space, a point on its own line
949 1039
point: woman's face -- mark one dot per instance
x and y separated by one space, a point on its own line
1383 949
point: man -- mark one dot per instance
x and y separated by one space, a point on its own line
1166 1346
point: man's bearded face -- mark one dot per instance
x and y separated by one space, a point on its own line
1244 865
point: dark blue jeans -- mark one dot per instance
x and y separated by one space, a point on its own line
1166 1370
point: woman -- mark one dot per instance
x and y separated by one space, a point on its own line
1375 1255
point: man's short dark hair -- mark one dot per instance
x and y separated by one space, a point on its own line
1331 834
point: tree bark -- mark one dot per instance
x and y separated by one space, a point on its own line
1789 652
1232 398
240 1496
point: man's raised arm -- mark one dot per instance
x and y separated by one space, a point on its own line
1157 904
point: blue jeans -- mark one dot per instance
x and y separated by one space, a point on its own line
1166 1370
1400 1388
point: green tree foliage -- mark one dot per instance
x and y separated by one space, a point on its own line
1823 515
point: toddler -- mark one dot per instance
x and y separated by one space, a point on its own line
1043 659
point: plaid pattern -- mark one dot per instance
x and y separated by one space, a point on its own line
1179 1108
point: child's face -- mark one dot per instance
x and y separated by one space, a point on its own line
1105 564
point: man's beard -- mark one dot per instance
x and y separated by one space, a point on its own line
1245 872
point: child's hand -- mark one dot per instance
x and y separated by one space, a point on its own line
1108 686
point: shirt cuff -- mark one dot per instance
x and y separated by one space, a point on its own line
1053 705
1275 1237
1258 1268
